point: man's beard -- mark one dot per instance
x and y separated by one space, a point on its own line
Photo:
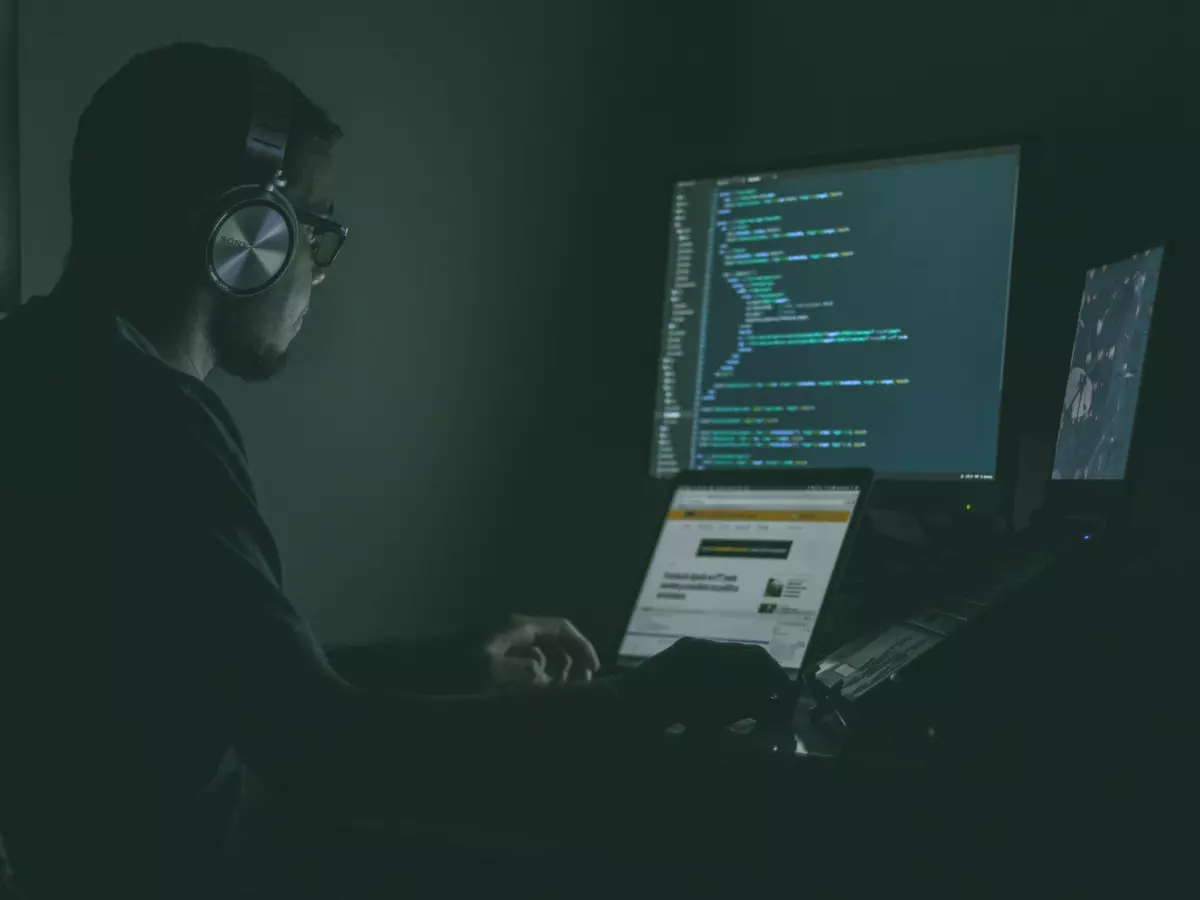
241 355
251 366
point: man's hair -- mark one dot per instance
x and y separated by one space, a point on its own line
162 136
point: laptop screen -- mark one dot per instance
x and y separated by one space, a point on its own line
1106 369
742 564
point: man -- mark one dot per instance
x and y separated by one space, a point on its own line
144 631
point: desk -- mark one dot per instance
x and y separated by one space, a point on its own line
1037 760
671 819
691 815
613 823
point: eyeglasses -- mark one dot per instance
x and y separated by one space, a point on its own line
325 237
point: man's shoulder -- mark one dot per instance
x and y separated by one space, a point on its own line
201 419
90 379
181 406
182 423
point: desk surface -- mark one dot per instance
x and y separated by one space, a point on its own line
676 819
724 803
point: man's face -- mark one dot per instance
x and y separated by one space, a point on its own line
250 337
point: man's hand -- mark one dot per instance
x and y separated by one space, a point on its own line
533 651
708 684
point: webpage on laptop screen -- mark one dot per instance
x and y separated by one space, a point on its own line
751 566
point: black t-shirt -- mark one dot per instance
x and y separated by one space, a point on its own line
133 547
145 636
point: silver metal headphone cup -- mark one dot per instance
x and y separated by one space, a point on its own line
252 242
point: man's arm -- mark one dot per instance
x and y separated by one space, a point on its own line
513 651
455 664
254 663
327 743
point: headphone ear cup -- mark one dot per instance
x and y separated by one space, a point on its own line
251 242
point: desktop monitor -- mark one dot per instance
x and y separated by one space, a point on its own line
1097 449
849 314
1105 376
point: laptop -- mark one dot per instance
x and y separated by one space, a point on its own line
748 557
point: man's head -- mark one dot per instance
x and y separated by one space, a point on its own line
158 142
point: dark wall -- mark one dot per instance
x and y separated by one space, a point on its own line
10 219
467 424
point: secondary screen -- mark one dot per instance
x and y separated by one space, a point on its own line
851 316
740 565
1105 377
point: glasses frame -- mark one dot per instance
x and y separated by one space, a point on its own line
322 224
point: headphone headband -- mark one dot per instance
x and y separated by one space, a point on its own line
270 124
252 240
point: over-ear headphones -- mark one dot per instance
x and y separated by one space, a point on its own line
253 234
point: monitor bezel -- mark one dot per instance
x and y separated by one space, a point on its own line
1100 498
756 479
918 492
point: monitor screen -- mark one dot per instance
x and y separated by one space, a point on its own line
1105 375
746 565
847 316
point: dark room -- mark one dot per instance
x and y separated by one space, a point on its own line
595 448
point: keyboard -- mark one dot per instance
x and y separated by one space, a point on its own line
883 651
995 578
